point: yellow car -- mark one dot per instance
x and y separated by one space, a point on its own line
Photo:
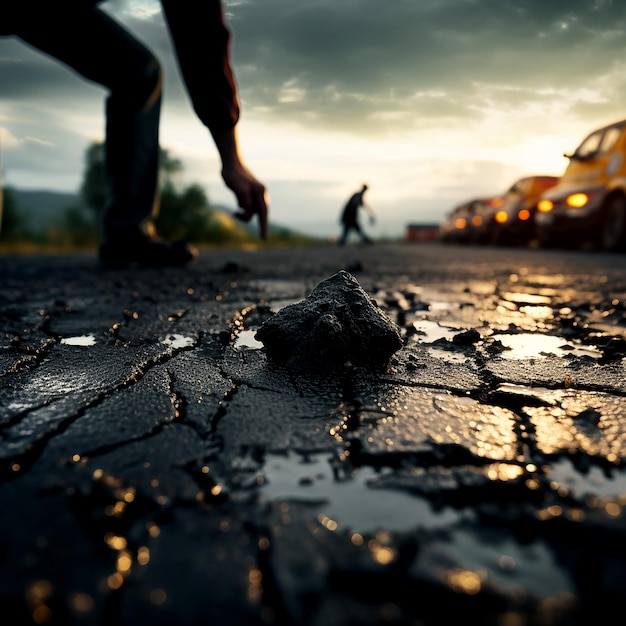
512 223
588 205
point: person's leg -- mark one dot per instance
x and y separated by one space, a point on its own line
364 236
99 49
344 235
358 231
347 228
361 233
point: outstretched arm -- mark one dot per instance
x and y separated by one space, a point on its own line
202 42
367 208
250 193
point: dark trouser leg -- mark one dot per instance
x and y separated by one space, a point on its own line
361 233
364 237
99 49
132 159
344 234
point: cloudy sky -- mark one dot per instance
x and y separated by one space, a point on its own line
430 102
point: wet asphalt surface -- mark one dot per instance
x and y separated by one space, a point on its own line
156 468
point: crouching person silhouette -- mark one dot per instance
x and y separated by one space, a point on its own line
86 39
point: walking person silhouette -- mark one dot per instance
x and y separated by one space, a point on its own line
86 39
350 214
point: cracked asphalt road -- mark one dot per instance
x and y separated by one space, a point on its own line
156 468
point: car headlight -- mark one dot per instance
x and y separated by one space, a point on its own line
577 200
523 215
501 217
545 206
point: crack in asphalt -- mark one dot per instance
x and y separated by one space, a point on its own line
12 466
293 563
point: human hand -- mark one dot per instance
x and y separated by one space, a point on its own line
252 197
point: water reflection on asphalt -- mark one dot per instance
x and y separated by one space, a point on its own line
178 341
595 482
532 567
245 339
536 345
82 340
348 501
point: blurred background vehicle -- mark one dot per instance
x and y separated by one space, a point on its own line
512 223
484 219
420 231
461 222
588 205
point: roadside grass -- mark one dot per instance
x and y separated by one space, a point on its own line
31 247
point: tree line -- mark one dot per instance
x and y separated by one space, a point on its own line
185 213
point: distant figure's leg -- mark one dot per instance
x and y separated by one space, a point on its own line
361 233
95 46
344 235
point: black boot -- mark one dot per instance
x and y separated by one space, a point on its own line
146 252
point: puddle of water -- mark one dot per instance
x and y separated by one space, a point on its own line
512 566
483 287
82 340
542 279
245 339
594 482
547 395
537 312
535 345
351 502
447 355
429 331
525 298
178 341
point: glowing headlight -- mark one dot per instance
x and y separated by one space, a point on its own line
577 200
545 206
477 220
501 217
524 215
460 223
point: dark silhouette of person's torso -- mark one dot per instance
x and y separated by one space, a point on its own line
351 209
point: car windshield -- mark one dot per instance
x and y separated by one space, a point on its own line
589 146
599 142
610 138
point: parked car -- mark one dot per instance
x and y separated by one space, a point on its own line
513 221
460 223
484 219
588 205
